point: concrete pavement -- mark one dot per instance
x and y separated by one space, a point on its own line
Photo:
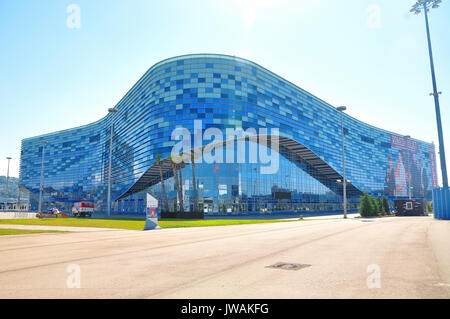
406 257
58 228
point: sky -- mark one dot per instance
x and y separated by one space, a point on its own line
369 55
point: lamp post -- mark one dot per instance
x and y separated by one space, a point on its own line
417 8
344 182
112 111
42 176
7 180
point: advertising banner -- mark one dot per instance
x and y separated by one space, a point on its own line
434 180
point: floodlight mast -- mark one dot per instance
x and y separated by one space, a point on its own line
417 8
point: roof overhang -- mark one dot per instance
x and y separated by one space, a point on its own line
299 154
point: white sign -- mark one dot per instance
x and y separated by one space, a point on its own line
152 202
222 189
151 220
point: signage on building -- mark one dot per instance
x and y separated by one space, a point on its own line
404 143
434 180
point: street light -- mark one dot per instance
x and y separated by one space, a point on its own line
417 8
42 176
342 109
112 111
7 180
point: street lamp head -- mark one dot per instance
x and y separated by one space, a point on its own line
420 4
8 158
341 108
44 142
112 110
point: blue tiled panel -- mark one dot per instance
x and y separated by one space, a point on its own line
222 91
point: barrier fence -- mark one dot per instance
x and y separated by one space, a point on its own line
441 203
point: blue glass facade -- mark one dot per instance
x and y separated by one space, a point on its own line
224 92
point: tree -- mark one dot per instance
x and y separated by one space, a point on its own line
179 166
386 207
379 205
430 207
160 163
373 205
194 185
177 183
365 209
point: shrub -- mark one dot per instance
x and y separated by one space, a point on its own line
386 207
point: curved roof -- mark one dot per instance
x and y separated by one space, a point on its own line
228 57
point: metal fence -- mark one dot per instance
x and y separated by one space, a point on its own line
17 215
441 203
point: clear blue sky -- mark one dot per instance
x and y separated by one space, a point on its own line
369 55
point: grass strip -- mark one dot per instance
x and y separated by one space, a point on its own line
133 223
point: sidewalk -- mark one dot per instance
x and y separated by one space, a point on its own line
59 228
349 216
285 217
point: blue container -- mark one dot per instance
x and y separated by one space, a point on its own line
441 203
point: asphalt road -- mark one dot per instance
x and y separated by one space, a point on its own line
404 257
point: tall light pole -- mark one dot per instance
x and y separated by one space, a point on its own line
7 180
417 8
112 111
42 176
344 182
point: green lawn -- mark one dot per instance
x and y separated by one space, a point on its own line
130 223
7 231
175 223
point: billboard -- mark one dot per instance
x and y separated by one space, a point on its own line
406 175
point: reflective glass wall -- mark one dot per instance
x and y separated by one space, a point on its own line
240 189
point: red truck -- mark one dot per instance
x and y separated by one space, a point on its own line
83 209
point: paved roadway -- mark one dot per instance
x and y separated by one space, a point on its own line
412 255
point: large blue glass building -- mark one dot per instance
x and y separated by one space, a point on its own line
205 91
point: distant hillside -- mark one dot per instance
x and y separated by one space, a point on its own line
13 185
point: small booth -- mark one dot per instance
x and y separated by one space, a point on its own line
410 207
